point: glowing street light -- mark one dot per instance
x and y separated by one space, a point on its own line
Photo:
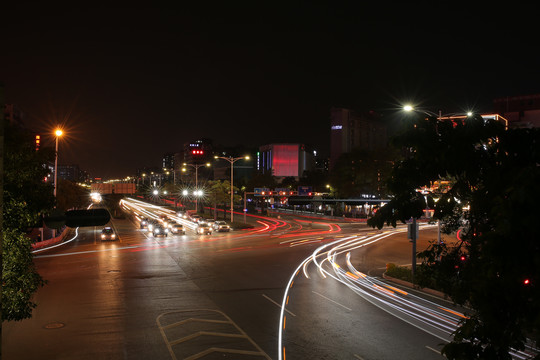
232 160
58 133
196 166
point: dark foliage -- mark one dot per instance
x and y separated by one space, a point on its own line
493 199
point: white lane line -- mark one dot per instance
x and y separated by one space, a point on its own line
86 252
335 302
435 350
358 357
279 306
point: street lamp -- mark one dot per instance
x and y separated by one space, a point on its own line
58 133
197 193
232 160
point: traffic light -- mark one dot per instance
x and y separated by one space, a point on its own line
38 142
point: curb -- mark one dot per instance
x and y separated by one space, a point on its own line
415 287
49 242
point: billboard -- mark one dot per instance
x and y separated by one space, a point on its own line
285 159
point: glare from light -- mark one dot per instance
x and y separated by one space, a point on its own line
408 108
58 132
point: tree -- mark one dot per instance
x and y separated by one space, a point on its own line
289 182
493 197
219 192
26 198
71 195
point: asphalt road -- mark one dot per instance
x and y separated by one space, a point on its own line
208 297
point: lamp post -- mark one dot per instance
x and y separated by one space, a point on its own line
439 116
232 160
58 133
197 193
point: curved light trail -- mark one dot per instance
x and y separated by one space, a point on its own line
423 314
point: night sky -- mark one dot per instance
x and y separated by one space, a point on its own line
130 84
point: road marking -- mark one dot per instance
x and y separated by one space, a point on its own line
279 306
86 252
435 350
178 335
335 302
358 357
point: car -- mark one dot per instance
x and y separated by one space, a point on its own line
210 222
171 223
178 229
108 234
159 230
144 223
204 228
195 218
221 226
152 224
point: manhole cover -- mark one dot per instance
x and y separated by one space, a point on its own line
113 271
54 325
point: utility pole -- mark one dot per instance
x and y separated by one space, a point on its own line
413 236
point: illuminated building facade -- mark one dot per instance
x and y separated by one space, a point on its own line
285 160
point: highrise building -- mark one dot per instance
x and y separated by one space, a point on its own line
353 130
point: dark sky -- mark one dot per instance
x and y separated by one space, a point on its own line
130 83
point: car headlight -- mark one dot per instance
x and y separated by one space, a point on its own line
113 236
102 236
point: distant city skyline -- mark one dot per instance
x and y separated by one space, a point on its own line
247 75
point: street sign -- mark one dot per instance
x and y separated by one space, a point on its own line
412 230
305 190
260 191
